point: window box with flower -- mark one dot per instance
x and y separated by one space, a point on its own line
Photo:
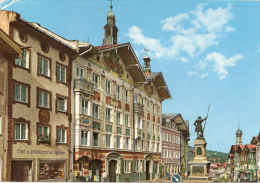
44 134
43 138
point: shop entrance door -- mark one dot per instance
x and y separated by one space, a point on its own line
0 170
112 170
95 167
148 170
21 171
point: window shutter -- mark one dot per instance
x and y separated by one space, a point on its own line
59 135
39 130
82 107
17 131
46 69
63 74
23 131
63 135
46 100
40 65
40 98
132 166
17 60
45 133
78 74
58 73
122 166
23 63
23 94
17 92
86 107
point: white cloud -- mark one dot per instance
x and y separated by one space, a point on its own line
152 44
191 34
202 64
213 20
171 23
221 63
229 29
204 75
193 44
191 73
184 60
3 2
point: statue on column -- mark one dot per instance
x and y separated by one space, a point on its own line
198 123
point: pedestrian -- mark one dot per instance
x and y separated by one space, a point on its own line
72 176
104 176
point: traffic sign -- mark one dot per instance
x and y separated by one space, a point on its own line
176 178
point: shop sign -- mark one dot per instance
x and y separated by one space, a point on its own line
31 152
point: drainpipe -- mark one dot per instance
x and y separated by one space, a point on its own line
134 128
86 51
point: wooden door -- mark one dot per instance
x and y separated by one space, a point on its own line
147 170
112 170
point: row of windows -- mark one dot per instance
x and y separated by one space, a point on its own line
119 120
170 138
138 165
172 125
44 66
169 154
21 94
141 144
21 132
95 79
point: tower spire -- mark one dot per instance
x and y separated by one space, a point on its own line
239 135
111 5
147 60
110 28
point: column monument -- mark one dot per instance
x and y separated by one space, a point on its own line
199 167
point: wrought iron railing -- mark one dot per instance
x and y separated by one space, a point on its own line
84 85
138 108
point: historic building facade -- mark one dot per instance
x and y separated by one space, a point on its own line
73 105
118 104
9 51
39 113
243 159
174 136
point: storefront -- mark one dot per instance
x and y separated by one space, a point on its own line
22 171
52 170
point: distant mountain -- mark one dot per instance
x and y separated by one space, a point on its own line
215 156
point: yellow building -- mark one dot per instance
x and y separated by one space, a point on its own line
38 104
118 104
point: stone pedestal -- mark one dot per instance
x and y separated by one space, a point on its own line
199 167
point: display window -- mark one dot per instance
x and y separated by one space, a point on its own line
52 170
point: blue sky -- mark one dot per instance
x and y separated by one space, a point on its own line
208 52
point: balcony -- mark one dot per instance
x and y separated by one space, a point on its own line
138 108
81 84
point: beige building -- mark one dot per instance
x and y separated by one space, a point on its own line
38 104
9 50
